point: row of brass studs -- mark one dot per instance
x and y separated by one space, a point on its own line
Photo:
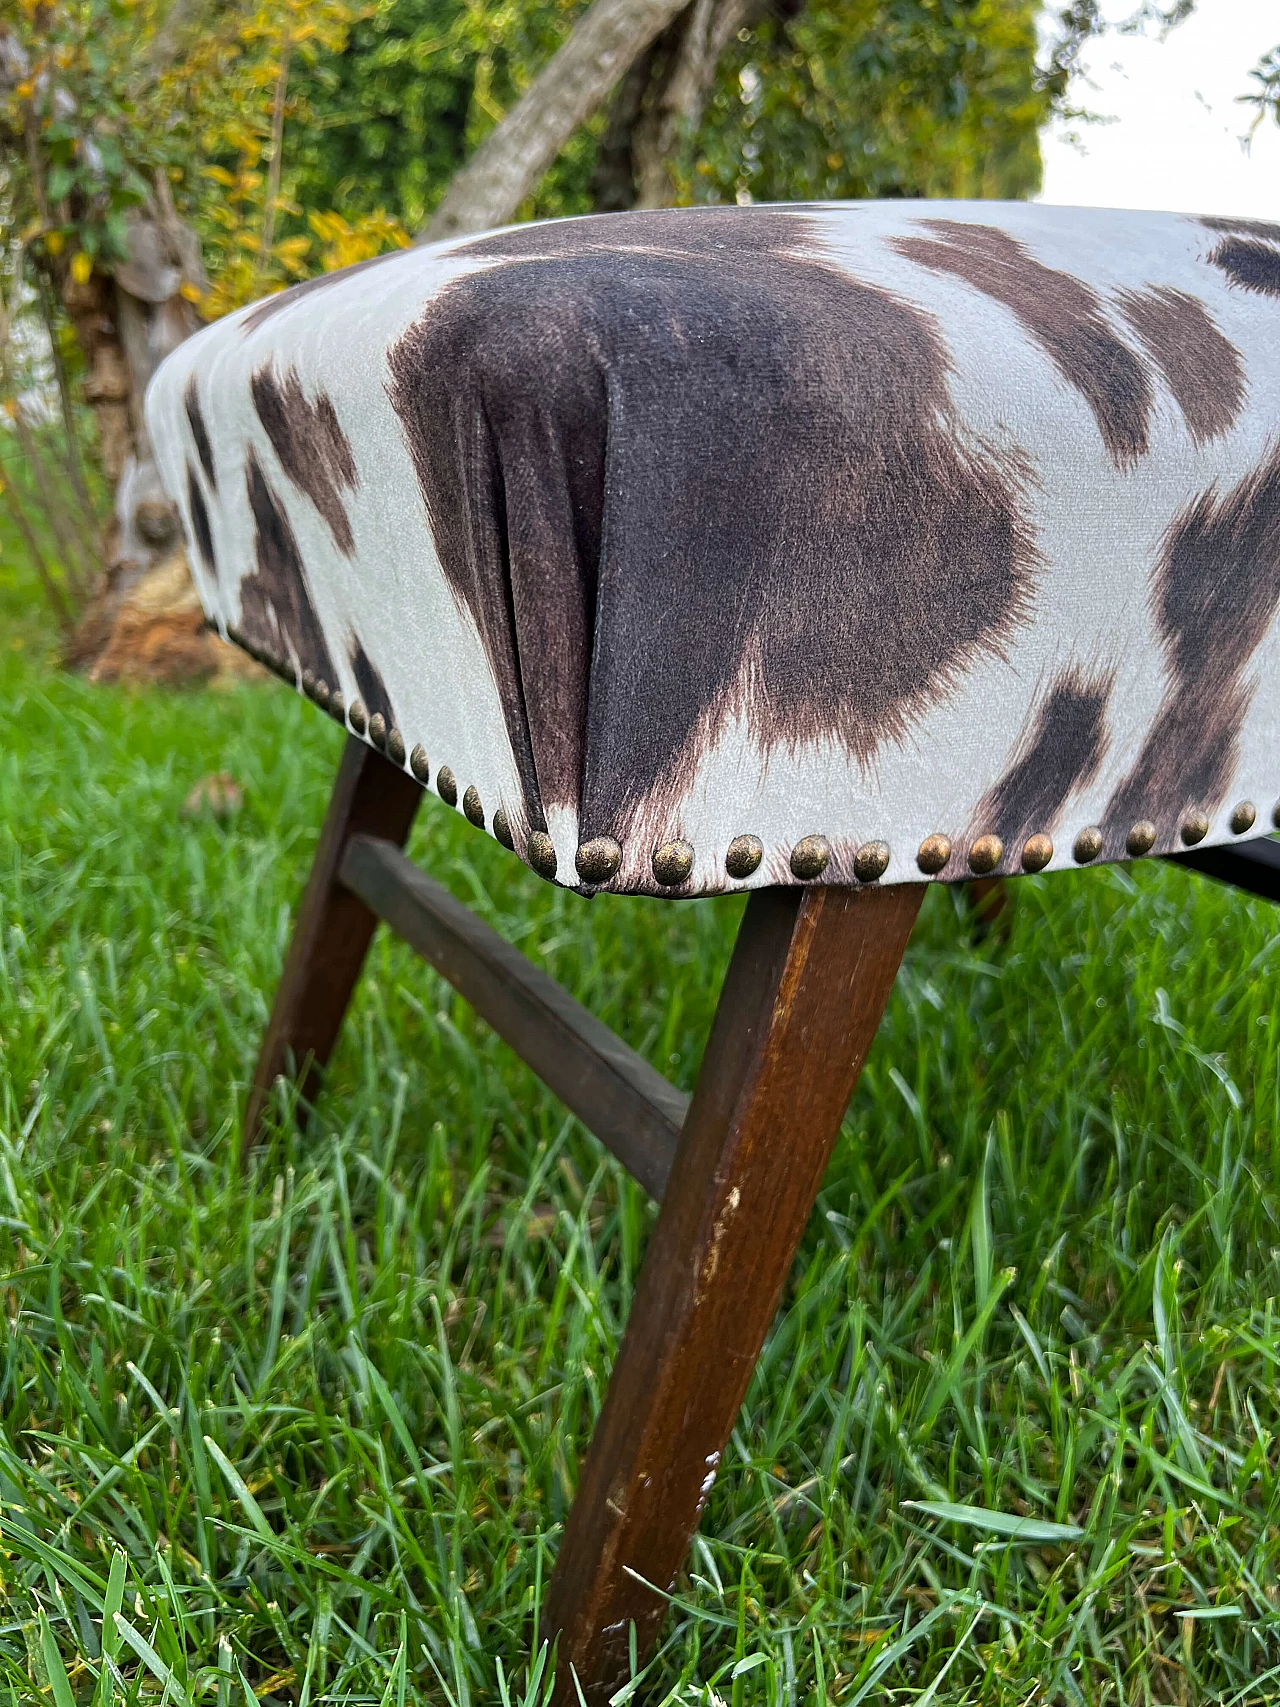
599 859
1142 835
986 852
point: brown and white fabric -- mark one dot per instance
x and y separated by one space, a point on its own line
716 547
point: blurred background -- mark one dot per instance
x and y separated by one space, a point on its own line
1177 115
164 161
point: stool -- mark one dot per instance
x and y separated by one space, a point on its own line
820 552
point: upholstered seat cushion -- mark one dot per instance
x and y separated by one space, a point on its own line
716 547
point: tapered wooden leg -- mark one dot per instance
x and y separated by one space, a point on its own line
370 797
803 996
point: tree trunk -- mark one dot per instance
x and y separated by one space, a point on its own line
512 159
674 111
91 309
660 103
143 621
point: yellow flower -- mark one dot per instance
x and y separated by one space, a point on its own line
81 267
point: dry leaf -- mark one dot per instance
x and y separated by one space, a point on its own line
219 794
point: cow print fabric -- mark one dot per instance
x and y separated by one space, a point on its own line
871 522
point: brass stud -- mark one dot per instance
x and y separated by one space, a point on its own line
472 807
1141 838
672 863
1037 851
1088 845
933 854
418 764
320 693
985 854
447 786
1243 817
1195 827
309 683
336 706
598 860
378 731
540 851
395 747
743 856
356 716
809 857
502 828
871 862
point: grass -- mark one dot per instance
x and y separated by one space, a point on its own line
313 1427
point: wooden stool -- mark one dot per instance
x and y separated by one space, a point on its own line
820 553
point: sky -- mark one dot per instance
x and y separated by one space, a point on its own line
1175 140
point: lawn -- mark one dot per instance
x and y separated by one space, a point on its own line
312 1417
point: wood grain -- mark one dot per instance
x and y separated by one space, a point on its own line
803 996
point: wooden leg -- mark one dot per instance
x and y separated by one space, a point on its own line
801 1002
371 797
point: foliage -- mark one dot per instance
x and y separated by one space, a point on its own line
1265 96
243 251
103 105
298 136
1078 22
48 496
79 139
329 1409
418 86
878 98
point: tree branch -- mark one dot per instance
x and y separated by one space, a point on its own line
704 31
613 187
75 465
513 158
277 150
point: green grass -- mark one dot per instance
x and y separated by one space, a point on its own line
323 1418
